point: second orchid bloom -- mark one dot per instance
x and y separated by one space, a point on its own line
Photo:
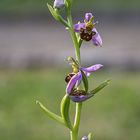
74 79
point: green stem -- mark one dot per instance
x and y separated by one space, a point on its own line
74 38
74 131
77 118
73 135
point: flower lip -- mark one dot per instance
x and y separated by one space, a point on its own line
79 95
68 77
85 35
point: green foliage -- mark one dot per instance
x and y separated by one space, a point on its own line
65 105
50 114
113 113
100 87
55 13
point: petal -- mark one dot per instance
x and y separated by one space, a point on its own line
58 3
72 82
88 16
78 26
96 39
87 73
92 68
80 98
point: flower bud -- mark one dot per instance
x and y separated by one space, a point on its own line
85 138
58 4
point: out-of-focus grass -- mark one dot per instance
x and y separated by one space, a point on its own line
112 114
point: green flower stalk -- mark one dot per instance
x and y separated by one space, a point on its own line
77 89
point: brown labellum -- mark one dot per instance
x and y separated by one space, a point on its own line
78 92
68 77
85 35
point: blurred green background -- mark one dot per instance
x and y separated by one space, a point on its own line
25 6
32 51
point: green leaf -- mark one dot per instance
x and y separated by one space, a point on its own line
85 81
51 114
100 87
65 104
55 13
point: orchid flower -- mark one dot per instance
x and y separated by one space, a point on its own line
88 31
78 76
75 80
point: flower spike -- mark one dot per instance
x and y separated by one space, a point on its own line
82 31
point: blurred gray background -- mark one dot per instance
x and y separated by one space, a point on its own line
31 38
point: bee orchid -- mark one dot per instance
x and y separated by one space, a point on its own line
75 78
88 31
